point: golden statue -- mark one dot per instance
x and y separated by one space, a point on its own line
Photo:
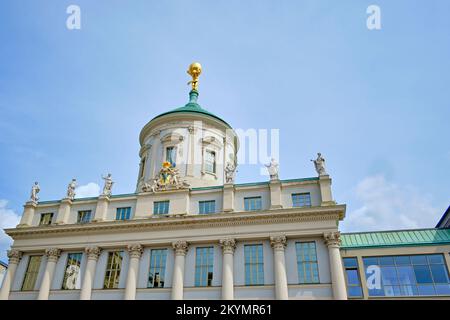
195 69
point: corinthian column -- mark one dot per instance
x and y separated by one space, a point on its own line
228 246
180 248
14 257
278 244
92 256
52 257
135 252
333 242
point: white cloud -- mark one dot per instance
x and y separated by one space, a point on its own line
387 206
8 219
88 190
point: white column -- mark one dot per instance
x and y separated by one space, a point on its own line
180 248
52 257
14 257
135 251
228 246
86 288
333 242
278 244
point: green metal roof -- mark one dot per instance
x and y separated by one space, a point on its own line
395 238
192 107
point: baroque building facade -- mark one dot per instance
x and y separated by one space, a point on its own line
190 232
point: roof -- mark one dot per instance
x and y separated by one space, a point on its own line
192 107
395 238
444 222
3 264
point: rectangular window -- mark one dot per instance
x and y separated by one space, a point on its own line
123 213
415 275
113 267
31 274
204 260
157 268
72 279
84 216
171 155
205 207
210 161
307 268
301 200
161 207
142 168
252 203
254 265
46 219
354 289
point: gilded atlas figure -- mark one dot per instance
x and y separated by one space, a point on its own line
195 69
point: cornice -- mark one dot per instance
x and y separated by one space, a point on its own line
220 220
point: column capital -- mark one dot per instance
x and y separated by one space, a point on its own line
135 250
332 239
180 247
52 254
14 256
278 242
93 252
228 245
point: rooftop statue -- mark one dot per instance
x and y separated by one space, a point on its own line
319 164
230 170
71 189
107 188
272 167
34 191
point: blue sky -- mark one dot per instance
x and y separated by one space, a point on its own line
375 103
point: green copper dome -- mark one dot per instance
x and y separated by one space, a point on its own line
192 107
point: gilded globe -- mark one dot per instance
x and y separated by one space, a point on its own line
195 69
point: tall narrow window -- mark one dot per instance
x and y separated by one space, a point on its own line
123 213
205 207
171 155
142 168
307 262
252 203
113 267
157 268
210 161
204 260
72 279
354 289
254 265
161 207
301 200
31 274
84 216
46 219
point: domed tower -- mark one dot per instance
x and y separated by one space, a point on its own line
186 147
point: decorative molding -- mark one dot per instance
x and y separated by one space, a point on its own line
180 247
278 242
14 256
228 245
333 239
93 253
52 254
135 250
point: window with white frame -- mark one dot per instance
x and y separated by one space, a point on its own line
205 207
252 203
161 207
301 199
210 161
46 219
204 260
254 264
123 213
113 268
171 155
307 267
84 216
157 270
31 274
72 279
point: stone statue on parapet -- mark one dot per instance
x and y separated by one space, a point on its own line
272 167
34 192
107 188
71 189
230 170
319 164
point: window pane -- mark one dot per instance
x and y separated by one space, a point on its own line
443 289
254 264
112 274
423 274
72 279
350 262
355 292
435 258
253 203
161 207
439 272
207 207
301 200
307 268
157 268
123 213
171 155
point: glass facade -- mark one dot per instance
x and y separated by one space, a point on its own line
301 200
254 265
205 207
204 261
252 203
157 271
84 216
354 289
46 219
415 275
171 155
123 213
72 278
113 268
210 161
307 268
161 207
31 274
